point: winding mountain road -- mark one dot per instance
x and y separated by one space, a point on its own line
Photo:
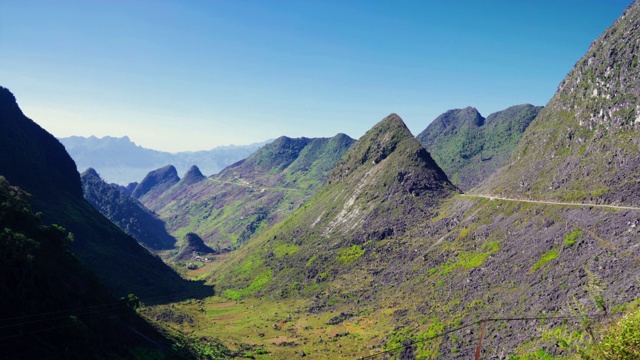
492 197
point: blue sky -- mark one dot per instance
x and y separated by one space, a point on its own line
192 75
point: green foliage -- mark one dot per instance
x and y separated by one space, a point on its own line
464 232
572 238
312 260
131 301
469 147
285 249
467 259
545 258
256 285
349 255
536 355
622 340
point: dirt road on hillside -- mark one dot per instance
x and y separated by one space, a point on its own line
492 197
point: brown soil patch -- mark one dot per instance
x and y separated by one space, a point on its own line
280 339
227 318
220 305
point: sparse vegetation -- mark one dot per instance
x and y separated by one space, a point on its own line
544 259
349 255
572 238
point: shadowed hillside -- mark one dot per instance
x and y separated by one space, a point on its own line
34 160
52 307
126 212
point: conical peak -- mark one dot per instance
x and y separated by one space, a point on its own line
388 138
387 132
166 176
192 176
393 120
194 171
459 117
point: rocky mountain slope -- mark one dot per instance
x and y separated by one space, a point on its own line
126 212
227 209
119 160
407 269
382 187
469 147
34 160
584 145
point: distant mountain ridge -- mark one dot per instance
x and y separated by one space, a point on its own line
469 147
121 161
34 160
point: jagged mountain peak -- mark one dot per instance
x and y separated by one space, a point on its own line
385 184
468 147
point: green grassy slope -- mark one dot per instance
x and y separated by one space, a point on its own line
475 259
384 185
227 209
382 258
469 147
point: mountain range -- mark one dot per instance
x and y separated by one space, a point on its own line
129 214
389 256
229 208
121 161
514 236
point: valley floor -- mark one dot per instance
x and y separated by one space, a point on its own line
465 265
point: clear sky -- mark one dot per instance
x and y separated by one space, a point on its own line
193 75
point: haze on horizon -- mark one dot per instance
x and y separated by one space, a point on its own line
178 76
